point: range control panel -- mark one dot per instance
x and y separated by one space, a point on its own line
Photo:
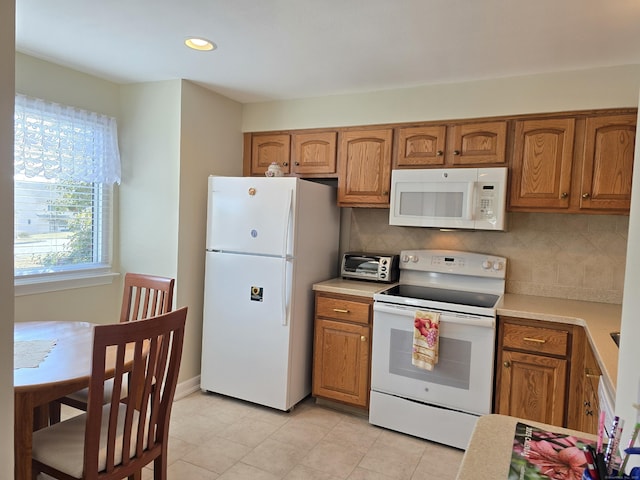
450 261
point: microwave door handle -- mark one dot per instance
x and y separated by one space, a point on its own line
471 200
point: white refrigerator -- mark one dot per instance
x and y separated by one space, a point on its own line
268 241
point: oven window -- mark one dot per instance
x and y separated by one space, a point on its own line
454 360
432 204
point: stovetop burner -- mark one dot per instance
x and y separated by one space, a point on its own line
473 299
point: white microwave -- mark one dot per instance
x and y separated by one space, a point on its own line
466 198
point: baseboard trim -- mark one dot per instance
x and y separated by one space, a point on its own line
186 388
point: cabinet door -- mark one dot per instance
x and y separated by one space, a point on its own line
266 149
532 387
477 143
364 168
542 160
608 162
590 405
420 146
341 362
314 153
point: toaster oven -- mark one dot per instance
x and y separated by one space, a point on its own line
370 266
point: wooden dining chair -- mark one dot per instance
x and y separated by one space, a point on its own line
144 296
116 440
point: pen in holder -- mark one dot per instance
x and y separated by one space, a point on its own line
634 475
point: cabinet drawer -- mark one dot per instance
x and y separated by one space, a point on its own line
342 309
535 339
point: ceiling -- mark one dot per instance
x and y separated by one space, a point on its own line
285 49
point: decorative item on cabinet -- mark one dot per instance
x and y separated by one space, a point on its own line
342 346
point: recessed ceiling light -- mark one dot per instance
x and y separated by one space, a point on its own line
199 44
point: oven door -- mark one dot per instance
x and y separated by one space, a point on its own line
463 377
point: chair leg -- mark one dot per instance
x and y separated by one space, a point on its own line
160 467
55 409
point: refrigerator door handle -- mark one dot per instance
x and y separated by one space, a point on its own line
285 319
287 212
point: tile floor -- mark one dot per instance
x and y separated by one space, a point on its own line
216 437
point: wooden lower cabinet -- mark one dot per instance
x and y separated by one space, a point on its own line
533 369
342 348
587 405
533 387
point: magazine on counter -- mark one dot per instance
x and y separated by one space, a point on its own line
540 454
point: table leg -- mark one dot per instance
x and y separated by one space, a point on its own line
23 436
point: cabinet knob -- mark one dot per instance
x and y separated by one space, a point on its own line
297 164
285 164
586 195
385 193
586 403
456 152
439 153
363 338
589 413
507 364
564 195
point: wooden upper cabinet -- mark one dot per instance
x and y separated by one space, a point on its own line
542 162
266 149
364 168
608 162
477 143
420 146
464 144
314 153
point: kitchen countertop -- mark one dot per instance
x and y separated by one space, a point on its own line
351 287
489 454
599 319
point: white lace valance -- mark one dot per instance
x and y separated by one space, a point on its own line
59 142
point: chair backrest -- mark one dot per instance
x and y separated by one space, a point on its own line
138 426
145 296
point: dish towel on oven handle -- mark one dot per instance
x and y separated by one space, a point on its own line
426 326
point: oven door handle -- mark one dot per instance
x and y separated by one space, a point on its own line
447 317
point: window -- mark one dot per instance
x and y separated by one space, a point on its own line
66 162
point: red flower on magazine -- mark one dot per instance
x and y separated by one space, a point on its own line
539 454
554 461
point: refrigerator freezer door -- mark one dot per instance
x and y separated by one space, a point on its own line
251 215
246 340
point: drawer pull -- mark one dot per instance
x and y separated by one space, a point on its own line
507 364
591 375
341 310
534 340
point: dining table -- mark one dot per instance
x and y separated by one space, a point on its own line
51 360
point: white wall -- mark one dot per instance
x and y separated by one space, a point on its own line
150 152
555 92
210 143
7 79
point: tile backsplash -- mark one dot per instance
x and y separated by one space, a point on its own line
580 257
